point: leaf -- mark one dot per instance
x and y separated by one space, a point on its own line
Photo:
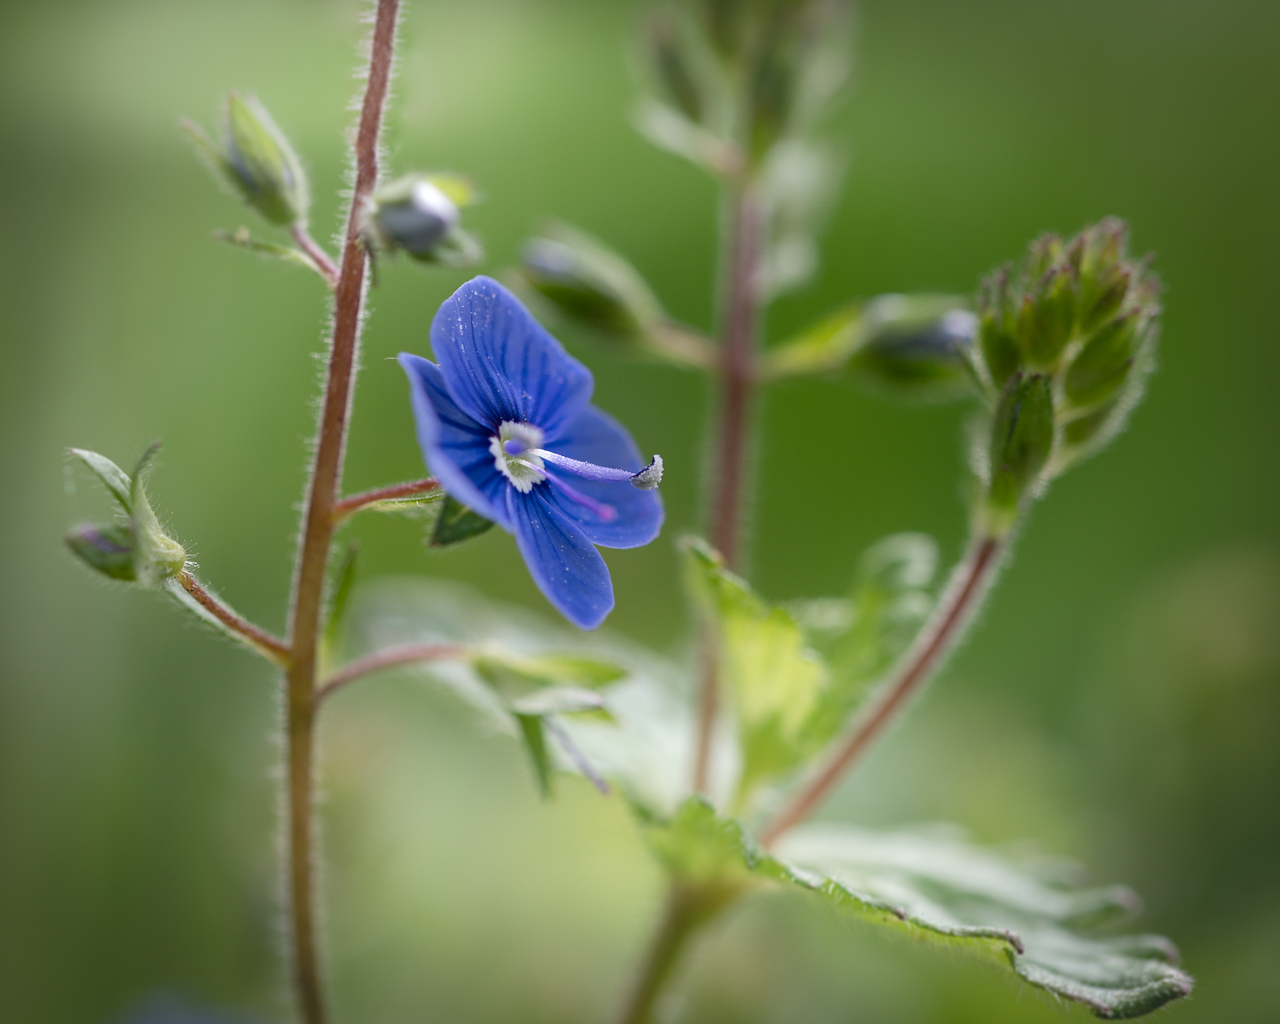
535 743
933 884
775 679
342 594
558 700
457 523
115 479
242 239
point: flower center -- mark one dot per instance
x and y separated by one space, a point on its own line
510 448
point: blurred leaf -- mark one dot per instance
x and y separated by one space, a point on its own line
346 580
242 239
534 738
457 523
799 183
558 700
775 680
934 885
668 129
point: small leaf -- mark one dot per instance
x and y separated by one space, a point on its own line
346 580
935 885
558 700
112 476
107 548
457 523
242 239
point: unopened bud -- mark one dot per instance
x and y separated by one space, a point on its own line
995 328
672 69
1021 442
928 358
105 548
255 159
1047 315
417 214
1103 365
591 285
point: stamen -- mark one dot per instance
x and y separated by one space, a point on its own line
513 453
646 479
607 513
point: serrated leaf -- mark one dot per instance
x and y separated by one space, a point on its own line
776 681
115 479
935 885
457 523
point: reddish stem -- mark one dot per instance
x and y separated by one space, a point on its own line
273 646
319 257
350 506
404 654
318 525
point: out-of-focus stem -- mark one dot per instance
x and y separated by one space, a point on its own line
737 377
317 532
403 654
955 611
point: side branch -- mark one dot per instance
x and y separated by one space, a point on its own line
323 261
937 639
404 654
350 506
272 646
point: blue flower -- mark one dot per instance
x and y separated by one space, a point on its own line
504 418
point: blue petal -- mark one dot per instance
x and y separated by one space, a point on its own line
595 436
500 364
563 563
454 446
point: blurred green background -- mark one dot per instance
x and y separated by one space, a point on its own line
1119 702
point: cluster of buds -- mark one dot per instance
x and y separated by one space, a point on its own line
420 215
135 549
742 76
1064 347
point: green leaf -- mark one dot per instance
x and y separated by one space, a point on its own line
457 523
776 681
115 479
558 700
242 239
346 580
935 885
535 743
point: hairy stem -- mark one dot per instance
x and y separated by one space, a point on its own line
737 375
954 613
687 909
272 646
317 531
404 654
302 238
350 506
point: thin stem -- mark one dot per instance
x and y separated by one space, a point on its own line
350 506
738 376
272 646
687 909
937 639
323 261
318 525
404 654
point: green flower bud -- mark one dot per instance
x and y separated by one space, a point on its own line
1021 442
1103 364
591 285
151 554
927 358
996 340
1047 315
668 58
419 214
256 161
105 548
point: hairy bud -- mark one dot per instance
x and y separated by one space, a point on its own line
420 215
1021 442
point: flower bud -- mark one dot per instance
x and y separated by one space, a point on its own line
922 358
419 214
1103 364
995 328
669 60
256 161
151 555
1021 442
1047 315
105 548
591 285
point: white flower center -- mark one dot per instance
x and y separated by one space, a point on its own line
523 469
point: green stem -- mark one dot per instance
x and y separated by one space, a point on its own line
688 908
317 533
